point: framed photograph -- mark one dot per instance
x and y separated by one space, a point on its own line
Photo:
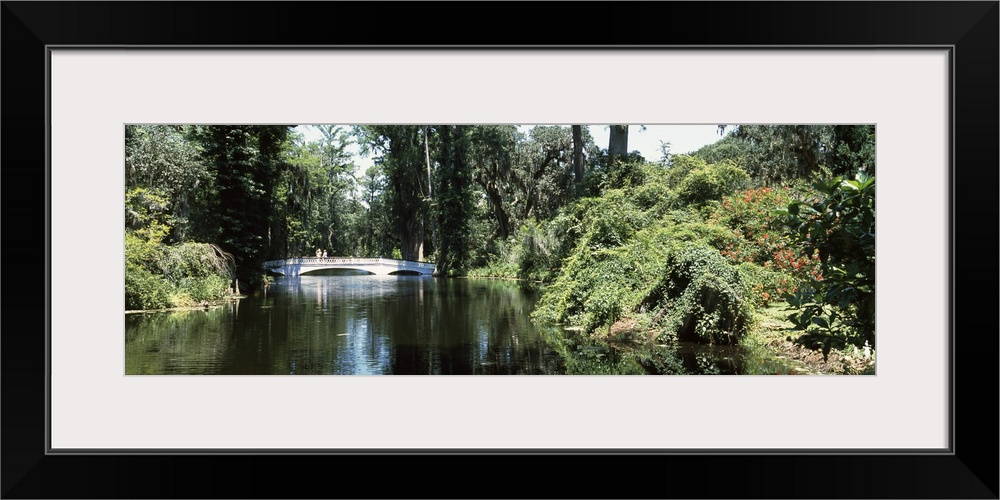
80 77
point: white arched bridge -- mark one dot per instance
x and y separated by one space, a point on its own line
376 265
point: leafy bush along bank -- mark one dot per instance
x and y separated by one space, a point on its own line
159 276
690 262
668 277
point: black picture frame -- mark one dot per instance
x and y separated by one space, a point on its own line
969 470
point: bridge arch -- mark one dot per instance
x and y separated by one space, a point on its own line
314 270
378 266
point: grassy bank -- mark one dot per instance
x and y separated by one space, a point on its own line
203 305
773 334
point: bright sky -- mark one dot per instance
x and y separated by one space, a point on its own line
682 139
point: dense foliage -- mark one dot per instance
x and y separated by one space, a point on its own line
684 248
690 250
837 307
639 257
159 275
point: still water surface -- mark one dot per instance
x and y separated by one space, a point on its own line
405 325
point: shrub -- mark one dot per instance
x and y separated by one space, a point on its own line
205 288
667 269
497 269
837 307
765 285
594 289
656 199
680 167
535 253
710 182
613 173
596 286
757 235
158 276
145 290
196 260
702 297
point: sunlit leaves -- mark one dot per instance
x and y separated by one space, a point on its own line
839 307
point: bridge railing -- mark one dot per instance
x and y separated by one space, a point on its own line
347 260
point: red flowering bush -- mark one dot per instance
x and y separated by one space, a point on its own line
759 237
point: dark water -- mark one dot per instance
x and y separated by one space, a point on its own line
367 325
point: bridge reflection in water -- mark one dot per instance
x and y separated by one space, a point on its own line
375 265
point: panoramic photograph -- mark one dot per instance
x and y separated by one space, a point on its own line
499 249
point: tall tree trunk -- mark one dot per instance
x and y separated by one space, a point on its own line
808 152
420 249
618 142
578 154
427 156
503 220
410 240
430 195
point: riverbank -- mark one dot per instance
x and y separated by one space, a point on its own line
772 336
204 305
773 332
770 344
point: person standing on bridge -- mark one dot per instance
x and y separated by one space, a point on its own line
319 253
324 253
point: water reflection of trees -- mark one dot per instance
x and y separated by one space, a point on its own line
466 327
178 342
392 325
585 355
406 325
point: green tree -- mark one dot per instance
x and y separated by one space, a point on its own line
339 214
492 152
400 153
837 308
775 154
238 211
543 175
728 148
852 150
161 158
533 175
377 237
783 152
578 154
452 207
299 195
